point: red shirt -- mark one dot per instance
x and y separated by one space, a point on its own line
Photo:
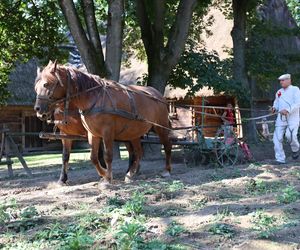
229 116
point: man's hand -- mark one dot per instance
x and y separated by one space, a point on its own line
284 112
273 110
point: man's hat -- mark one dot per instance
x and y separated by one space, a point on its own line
284 77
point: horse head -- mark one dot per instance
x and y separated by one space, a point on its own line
50 88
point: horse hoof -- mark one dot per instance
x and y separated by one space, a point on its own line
128 179
166 174
104 184
62 183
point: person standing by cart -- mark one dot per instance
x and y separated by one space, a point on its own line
287 104
228 118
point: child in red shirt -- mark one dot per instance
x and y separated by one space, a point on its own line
228 116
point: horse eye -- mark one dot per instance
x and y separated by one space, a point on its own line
46 85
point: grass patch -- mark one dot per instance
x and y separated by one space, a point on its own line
288 195
175 229
258 187
222 229
296 173
264 224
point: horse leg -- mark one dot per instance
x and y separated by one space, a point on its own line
108 157
67 145
131 155
164 139
101 154
137 155
95 143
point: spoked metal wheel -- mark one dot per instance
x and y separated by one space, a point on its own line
226 147
194 156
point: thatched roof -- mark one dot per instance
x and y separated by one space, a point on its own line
220 39
178 93
21 85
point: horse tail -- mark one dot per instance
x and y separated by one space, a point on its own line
170 122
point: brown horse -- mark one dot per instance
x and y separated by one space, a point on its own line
73 126
108 110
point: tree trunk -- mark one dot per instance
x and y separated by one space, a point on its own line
114 37
157 75
162 59
238 34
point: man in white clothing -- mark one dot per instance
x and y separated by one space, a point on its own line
287 104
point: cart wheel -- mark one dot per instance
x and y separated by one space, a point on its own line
194 156
226 147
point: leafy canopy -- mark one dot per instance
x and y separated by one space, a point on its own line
28 29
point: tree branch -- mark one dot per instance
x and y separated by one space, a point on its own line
87 51
179 32
145 25
91 24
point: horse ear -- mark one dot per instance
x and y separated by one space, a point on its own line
38 71
49 63
55 65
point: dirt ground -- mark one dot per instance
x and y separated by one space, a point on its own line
243 207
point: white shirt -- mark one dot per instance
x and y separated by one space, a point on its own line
288 99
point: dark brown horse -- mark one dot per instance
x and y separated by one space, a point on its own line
75 127
109 111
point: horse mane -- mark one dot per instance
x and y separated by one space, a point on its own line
83 80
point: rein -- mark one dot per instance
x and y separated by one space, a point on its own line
114 111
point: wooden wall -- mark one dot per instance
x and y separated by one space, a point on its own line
22 119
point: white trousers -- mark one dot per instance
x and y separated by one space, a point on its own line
290 132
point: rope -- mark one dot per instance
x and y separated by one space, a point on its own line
187 107
223 108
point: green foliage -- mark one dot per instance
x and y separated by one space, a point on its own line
296 173
197 204
28 29
294 7
288 195
223 229
198 68
174 186
222 214
28 212
70 237
77 238
4 215
51 232
263 223
115 202
175 229
93 221
135 205
159 245
129 236
255 187
15 220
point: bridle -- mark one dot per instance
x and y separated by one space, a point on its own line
53 101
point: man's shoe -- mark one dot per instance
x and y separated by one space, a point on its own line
295 155
276 163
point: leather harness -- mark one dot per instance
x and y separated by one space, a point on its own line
113 110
